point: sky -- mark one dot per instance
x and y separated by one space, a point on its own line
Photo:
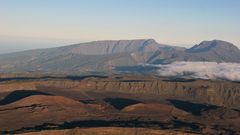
29 24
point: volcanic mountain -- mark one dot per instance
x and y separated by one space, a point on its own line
104 56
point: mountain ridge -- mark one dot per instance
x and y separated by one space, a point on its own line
103 56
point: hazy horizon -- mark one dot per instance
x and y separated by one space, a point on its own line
30 24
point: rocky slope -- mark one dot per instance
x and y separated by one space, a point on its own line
222 93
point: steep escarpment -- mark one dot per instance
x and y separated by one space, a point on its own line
218 93
222 93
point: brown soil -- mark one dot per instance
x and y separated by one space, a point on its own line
109 131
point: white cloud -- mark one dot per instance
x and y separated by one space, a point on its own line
202 70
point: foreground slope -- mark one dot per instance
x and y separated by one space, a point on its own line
109 131
49 104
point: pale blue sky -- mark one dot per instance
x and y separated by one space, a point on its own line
46 23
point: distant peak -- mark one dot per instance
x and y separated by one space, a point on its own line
208 45
217 42
125 39
116 46
151 40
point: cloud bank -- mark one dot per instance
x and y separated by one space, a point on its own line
201 70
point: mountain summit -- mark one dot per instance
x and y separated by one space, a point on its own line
213 45
114 47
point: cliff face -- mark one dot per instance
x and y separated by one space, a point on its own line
220 93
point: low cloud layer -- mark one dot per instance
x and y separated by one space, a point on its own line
202 70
